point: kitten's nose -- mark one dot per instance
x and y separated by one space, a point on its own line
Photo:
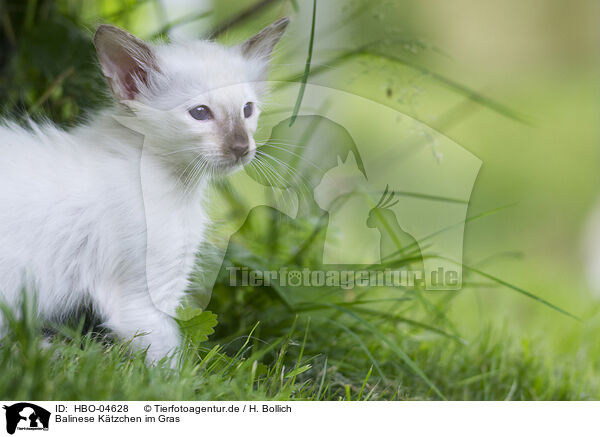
239 149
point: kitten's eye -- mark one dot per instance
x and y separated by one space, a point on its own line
201 113
248 109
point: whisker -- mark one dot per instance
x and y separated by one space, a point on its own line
191 163
295 154
304 188
279 177
182 150
290 170
275 174
195 175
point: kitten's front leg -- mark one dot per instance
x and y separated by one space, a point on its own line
134 317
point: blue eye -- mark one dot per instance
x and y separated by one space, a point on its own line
201 113
248 109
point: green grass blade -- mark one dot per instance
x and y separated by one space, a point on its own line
307 67
322 379
362 389
456 86
517 289
178 22
447 82
362 345
412 322
301 354
244 15
452 226
430 197
395 348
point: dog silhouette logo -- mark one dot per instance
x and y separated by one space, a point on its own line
26 416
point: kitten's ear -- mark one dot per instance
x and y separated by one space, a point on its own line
125 60
261 45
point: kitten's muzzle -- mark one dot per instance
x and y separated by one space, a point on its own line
239 150
236 141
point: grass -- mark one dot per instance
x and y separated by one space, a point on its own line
300 365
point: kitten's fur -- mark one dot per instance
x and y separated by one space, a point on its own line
73 220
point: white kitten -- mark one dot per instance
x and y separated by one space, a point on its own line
101 215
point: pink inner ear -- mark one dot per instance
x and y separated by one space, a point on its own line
129 80
123 68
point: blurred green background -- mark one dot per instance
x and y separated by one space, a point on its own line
515 83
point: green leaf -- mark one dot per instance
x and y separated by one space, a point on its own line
196 324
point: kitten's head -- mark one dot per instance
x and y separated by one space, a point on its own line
198 100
